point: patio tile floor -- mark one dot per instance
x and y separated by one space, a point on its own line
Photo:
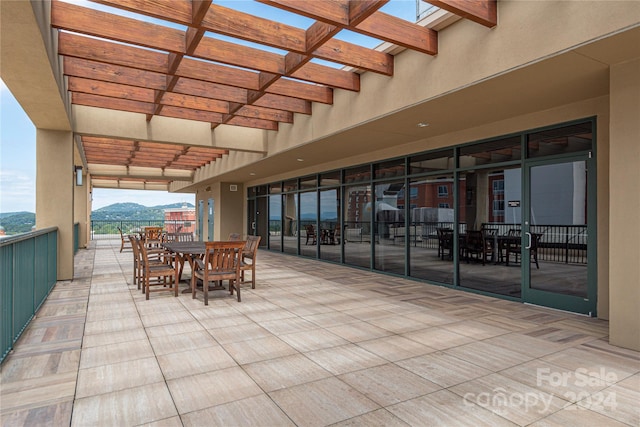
314 344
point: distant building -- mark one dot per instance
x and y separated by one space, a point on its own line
180 220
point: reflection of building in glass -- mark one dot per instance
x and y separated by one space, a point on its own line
496 197
180 220
356 204
430 193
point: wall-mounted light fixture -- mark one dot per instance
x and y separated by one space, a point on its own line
78 170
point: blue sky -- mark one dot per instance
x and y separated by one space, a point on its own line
18 167
18 154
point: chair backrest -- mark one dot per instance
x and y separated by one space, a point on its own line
134 245
311 231
153 236
489 231
251 247
445 235
153 233
121 234
475 238
179 237
223 257
234 237
515 232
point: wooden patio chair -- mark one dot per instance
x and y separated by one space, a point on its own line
445 242
179 237
234 237
248 260
137 261
311 234
153 236
161 268
124 239
221 261
476 244
154 257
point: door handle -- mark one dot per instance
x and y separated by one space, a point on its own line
529 237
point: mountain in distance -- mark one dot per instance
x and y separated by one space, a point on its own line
134 211
23 222
17 222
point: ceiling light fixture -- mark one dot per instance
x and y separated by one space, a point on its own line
300 160
252 173
423 125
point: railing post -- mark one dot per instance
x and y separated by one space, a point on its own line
566 245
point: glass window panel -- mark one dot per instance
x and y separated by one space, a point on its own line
275 188
558 229
330 232
357 225
431 251
275 222
260 190
309 235
485 224
357 174
308 182
290 223
389 169
566 139
330 179
291 185
389 228
500 150
431 162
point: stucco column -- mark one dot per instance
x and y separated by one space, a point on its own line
624 205
54 192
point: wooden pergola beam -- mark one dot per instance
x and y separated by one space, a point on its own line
483 12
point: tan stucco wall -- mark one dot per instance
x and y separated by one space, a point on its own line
54 192
624 198
468 54
228 209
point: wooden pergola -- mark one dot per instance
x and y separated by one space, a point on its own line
174 58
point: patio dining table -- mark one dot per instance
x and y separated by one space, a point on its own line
185 251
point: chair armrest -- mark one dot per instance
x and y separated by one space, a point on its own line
199 263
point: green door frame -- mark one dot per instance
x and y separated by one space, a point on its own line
585 305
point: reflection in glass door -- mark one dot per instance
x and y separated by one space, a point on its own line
275 222
290 223
489 227
357 225
557 239
330 233
200 235
309 235
389 228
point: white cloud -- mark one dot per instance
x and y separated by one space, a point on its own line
17 191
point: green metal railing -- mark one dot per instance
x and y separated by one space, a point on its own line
76 237
28 272
108 229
